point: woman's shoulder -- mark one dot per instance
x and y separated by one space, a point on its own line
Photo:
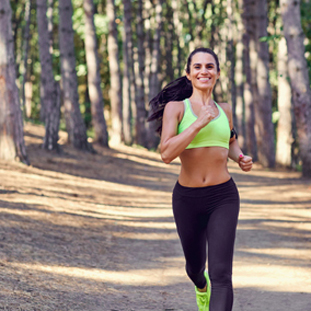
228 111
174 106
226 107
174 109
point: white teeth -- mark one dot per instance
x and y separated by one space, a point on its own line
204 79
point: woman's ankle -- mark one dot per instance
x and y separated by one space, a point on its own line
203 290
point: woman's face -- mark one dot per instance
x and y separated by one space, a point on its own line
203 71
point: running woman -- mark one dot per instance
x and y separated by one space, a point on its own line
206 202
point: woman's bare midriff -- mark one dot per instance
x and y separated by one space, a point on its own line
205 166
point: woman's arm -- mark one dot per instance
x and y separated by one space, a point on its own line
235 152
172 145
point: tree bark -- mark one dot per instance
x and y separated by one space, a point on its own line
250 86
253 59
299 78
49 14
28 98
148 17
219 47
284 128
263 108
28 6
140 128
52 119
115 77
12 145
169 44
74 121
231 59
239 78
154 85
17 17
48 88
127 72
178 31
213 27
93 77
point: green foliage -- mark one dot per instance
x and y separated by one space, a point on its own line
270 38
78 22
101 24
85 109
90 132
81 70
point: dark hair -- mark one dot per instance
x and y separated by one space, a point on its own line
176 90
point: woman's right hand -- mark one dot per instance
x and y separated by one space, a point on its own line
205 116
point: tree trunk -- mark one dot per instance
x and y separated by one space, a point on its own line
28 6
52 120
12 145
127 72
284 129
140 127
263 108
213 27
17 17
28 98
239 78
148 12
49 14
48 88
253 59
74 121
250 88
115 77
231 59
180 38
299 79
93 77
154 85
216 45
169 44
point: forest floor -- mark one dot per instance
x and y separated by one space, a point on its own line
95 232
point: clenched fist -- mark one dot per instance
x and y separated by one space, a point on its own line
245 163
206 115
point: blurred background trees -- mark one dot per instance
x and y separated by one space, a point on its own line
90 67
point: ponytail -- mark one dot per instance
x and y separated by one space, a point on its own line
176 90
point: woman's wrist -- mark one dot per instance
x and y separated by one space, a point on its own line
241 155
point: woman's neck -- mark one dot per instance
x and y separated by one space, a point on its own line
202 97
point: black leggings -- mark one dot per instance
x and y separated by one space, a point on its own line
208 214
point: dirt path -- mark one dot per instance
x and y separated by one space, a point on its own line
95 233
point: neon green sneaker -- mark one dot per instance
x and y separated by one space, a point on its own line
203 298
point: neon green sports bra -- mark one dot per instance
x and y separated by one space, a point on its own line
215 134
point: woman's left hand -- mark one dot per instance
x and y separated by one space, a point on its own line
245 163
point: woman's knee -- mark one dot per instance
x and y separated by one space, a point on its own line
221 275
196 274
194 269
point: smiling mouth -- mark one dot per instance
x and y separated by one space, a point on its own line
204 79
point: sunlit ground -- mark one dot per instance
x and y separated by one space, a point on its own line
96 232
